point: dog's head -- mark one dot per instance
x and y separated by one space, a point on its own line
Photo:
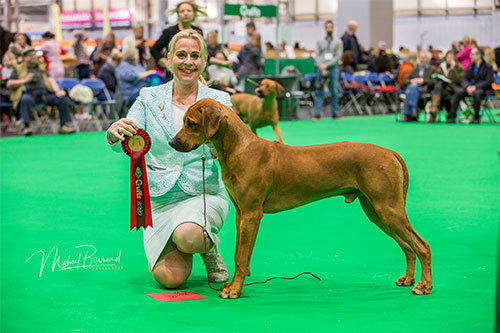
201 122
269 88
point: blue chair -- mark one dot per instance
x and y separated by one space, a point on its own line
98 87
67 83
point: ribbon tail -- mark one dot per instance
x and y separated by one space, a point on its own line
147 202
133 201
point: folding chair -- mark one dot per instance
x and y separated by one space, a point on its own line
347 97
362 96
97 86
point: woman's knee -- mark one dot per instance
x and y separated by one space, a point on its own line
190 238
168 278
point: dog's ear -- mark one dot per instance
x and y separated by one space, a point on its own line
279 89
211 117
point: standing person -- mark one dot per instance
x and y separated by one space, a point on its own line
463 56
30 84
350 42
250 58
175 179
187 12
82 57
52 52
251 30
328 53
136 40
476 82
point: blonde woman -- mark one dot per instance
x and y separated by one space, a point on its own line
175 179
187 12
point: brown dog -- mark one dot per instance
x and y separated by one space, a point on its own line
267 177
261 110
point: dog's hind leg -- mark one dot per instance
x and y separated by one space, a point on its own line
408 278
246 235
394 217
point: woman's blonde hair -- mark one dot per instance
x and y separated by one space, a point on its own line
193 34
489 58
131 56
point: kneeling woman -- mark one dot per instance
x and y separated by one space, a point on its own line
175 179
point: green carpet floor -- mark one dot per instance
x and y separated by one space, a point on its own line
62 192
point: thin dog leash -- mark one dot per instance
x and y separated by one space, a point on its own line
203 158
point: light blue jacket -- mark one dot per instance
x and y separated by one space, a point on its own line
152 111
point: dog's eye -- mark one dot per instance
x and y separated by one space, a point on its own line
190 123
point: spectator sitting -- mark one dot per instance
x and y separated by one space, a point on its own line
405 67
489 58
30 84
8 65
52 52
132 76
382 62
419 81
213 47
107 74
449 70
250 58
476 82
222 76
102 52
347 59
18 46
463 56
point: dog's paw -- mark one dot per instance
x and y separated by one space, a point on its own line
421 289
404 281
230 293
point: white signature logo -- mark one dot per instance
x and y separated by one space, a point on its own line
85 259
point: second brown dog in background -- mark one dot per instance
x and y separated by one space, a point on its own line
261 110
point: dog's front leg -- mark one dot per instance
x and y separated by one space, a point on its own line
245 241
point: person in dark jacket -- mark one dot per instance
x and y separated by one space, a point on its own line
107 73
475 83
187 11
350 42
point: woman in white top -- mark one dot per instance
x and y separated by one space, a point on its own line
176 179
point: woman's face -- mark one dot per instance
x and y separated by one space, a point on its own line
21 40
186 62
185 13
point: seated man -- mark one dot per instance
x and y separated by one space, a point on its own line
418 82
475 83
30 84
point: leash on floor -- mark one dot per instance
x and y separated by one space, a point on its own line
203 158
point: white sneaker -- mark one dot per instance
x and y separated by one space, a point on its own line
217 270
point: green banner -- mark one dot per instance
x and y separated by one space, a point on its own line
250 10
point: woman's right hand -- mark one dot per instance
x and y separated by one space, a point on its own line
120 128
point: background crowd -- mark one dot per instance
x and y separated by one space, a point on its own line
424 80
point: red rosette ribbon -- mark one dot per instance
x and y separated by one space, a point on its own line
136 147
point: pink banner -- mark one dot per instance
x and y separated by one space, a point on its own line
118 17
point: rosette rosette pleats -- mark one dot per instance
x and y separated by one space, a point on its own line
136 147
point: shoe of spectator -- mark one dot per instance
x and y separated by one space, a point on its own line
27 131
316 118
336 117
406 118
217 270
65 129
450 121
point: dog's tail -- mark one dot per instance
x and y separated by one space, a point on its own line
405 175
